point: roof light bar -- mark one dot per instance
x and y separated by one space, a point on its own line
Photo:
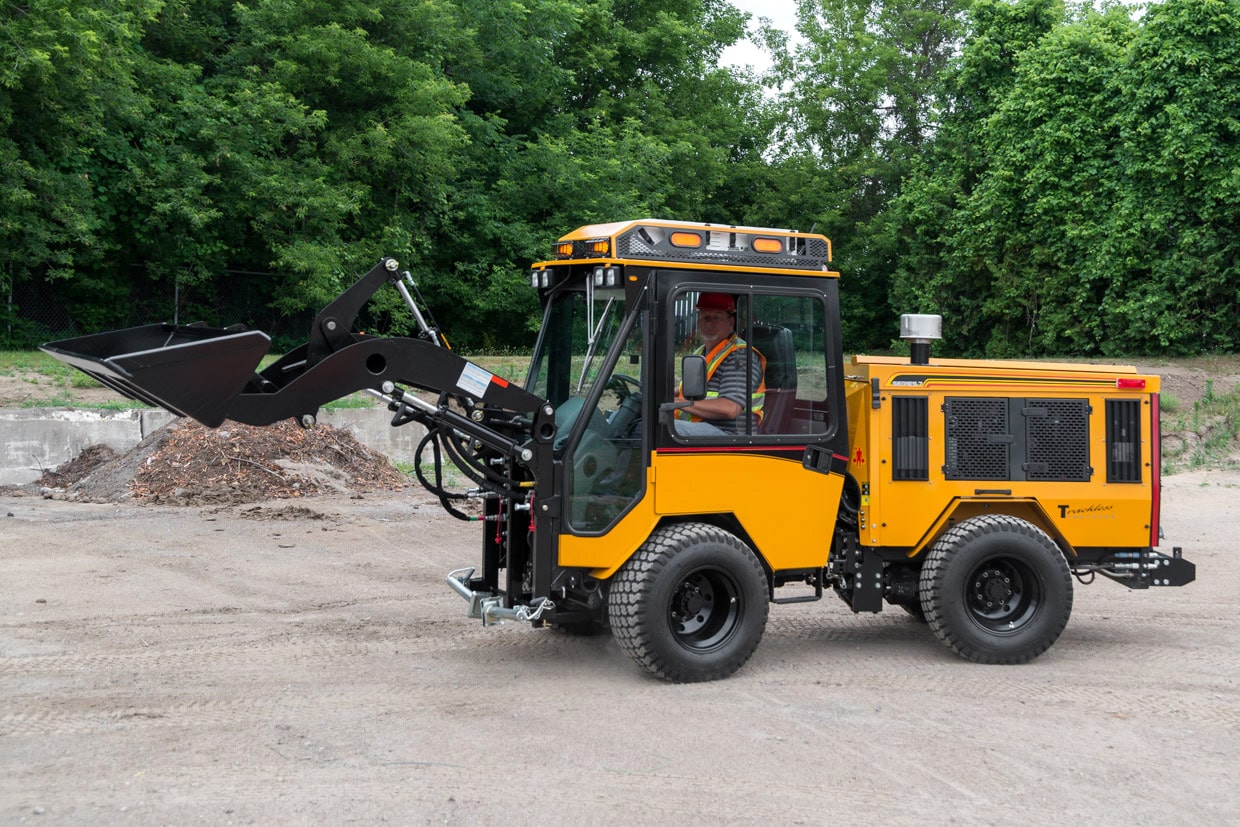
683 239
764 244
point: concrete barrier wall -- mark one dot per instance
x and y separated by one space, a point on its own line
373 428
33 440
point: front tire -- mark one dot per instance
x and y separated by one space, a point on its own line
691 604
996 589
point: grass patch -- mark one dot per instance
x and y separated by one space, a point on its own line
454 480
17 362
351 402
511 367
37 368
64 400
1204 436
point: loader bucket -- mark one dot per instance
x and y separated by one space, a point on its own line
190 370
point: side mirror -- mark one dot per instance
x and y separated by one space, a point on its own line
692 387
693 377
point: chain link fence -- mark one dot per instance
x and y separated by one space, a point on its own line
37 311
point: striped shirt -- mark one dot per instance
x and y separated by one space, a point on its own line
728 382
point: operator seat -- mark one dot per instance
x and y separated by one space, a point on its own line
776 344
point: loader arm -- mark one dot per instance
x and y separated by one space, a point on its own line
210 374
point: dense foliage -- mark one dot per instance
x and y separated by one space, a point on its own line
1053 180
1083 192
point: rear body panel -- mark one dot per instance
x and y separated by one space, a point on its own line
1071 447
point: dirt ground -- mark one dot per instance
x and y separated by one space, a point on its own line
292 662
185 649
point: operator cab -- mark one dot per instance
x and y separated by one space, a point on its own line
619 320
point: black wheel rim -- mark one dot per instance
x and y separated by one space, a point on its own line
1003 594
705 609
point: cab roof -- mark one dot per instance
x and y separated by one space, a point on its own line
696 244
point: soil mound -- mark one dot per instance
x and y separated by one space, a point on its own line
186 463
77 468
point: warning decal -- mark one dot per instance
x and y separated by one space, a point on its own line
474 380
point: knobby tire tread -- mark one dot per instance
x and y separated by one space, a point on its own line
933 588
631 593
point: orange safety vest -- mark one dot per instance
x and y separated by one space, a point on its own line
715 358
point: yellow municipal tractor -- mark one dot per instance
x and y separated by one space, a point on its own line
967 493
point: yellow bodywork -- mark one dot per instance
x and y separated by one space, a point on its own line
909 514
787 512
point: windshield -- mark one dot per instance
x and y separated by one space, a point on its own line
579 330
604 470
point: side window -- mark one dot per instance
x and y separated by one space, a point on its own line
766 363
790 333
713 325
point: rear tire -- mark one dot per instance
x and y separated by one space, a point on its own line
996 589
691 604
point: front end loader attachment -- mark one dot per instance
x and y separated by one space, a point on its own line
211 374
499 435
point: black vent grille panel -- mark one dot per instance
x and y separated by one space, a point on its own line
910 438
1123 440
978 439
1057 440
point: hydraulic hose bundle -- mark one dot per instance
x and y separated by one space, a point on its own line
443 439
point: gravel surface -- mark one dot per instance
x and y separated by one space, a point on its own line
224 627
302 661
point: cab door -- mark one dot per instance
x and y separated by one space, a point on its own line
775 476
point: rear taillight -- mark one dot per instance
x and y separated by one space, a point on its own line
1155 469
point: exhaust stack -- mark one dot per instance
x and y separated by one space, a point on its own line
919 330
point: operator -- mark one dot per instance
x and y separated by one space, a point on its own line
723 409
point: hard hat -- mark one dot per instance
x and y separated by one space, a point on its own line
716 301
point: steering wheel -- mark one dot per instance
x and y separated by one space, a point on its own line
629 411
624 386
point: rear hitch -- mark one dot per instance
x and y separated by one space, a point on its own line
1141 569
489 607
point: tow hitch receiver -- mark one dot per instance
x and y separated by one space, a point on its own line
490 607
1146 568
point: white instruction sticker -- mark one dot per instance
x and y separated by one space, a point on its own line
474 380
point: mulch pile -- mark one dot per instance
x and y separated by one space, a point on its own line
188 464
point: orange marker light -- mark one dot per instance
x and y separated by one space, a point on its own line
564 249
600 247
768 245
686 240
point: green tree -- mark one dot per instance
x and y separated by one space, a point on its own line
333 135
272 149
65 76
1084 210
940 268
859 98
631 116
1174 264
